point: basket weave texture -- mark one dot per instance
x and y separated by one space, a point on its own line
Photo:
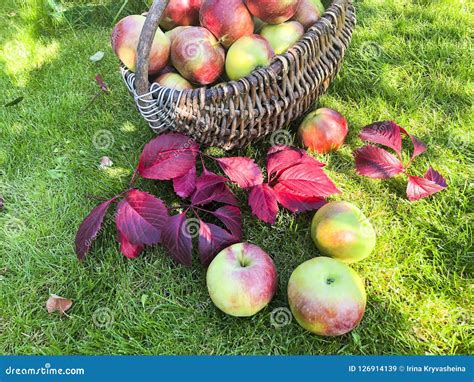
236 113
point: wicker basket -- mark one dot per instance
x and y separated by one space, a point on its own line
237 113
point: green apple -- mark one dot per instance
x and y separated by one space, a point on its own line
326 296
341 230
247 54
282 36
241 280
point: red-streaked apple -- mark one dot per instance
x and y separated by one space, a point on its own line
247 54
173 81
272 11
242 280
180 12
228 20
282 36
125 37
308 12
341 230
197 55
326 296
174 32
323 130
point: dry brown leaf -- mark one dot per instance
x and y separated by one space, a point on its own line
57 303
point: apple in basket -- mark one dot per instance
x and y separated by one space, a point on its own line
180 12
198 56
173 81
247 54
241 280
228 20
308 12
125 37
282 36
174 32
326 296
272 11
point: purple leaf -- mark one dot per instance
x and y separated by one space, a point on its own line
419 188
418 146
212 188
213 239
385 133
185 185
308 179
263 201
232 219
177 240
89 229
376 163
167 157
128 249
243 171
280 158
436 177
295 202
103 86
141 217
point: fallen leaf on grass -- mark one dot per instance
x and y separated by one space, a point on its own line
59 304
97 56
105 162
14 102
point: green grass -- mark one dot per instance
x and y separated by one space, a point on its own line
410 60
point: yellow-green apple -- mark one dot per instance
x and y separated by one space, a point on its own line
180 12
174 32
247 54
282 36
197 55
323 130
228 20
272 11
326 296
125 37
308 12
173 81
341 230
241 280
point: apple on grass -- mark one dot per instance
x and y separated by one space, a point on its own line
282 36
323 130
272 11
326 296
247 54
341 230
241 280
125 37
180 12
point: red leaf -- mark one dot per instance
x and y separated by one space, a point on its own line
376 163
243 171
212 188
419 188
167 157
263 201
295 202
140 217
128 249
418 146
308 179
176 239
232 219
385 133
213 239
89 229
280 158
59 304
103 86
185 185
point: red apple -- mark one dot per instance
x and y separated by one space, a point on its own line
308 12
125 37
198 56
180 12
272 11
228 20
326 297
242 280
323 130
173 81
174 32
